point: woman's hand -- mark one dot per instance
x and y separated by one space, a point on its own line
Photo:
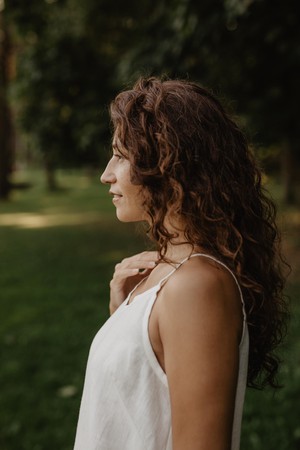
127 274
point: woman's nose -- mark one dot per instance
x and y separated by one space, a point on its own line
108 176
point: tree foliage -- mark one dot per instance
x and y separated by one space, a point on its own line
73 57
248 49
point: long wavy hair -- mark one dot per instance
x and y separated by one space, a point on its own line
194 162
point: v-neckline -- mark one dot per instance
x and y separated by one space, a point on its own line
130 301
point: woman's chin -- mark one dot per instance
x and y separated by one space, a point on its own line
123 217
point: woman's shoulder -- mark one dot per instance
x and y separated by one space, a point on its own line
203 275
202 287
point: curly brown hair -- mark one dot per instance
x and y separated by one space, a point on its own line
195 162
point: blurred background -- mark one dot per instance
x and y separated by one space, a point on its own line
61 62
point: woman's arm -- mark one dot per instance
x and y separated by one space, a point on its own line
200 323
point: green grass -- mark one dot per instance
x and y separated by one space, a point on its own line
58 252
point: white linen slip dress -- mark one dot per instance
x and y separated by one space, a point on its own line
125 403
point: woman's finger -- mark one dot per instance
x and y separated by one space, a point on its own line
135 264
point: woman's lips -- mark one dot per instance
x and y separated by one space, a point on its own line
116 197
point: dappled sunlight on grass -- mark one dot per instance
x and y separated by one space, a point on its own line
29 220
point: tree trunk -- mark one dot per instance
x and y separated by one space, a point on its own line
50 175
5 154
6 128
288 173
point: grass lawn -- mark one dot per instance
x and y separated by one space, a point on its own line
58 252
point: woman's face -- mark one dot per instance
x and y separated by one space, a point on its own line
127 197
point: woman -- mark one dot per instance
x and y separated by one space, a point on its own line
197 320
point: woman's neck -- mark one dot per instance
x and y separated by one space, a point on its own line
180 250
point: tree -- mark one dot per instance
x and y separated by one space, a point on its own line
6 127
58 72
